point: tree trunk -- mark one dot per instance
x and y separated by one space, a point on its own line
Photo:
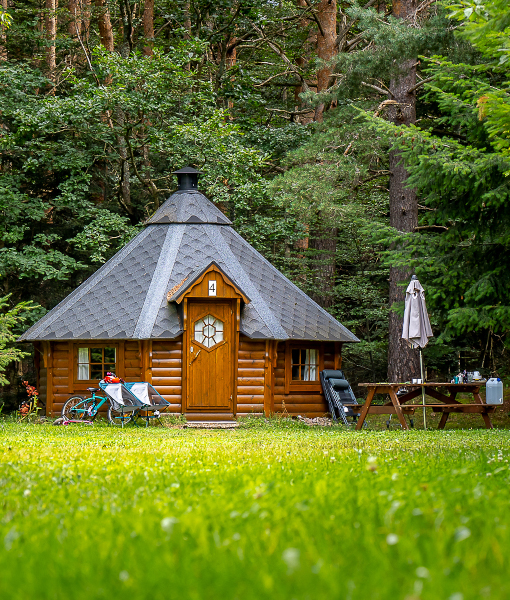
323 261
51 35
105 25
148 27
74 23
403 362
301 62
326 47
85 8
231 60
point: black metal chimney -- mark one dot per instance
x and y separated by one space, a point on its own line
187 178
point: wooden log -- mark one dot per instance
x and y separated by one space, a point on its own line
250 372
250 414
167 372
258 381
248 399
246 408
252 355
169 389
161 379
300 398
257 390
167 354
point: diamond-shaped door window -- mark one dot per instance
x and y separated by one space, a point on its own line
209 331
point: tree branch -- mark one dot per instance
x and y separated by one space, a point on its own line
273 77
283 56
345 29
431 228
377 89
419 84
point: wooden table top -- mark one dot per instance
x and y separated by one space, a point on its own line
428 383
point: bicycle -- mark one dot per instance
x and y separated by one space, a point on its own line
78 408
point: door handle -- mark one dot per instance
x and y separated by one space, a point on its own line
193 358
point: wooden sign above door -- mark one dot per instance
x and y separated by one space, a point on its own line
208 282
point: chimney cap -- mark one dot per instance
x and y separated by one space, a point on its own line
187 171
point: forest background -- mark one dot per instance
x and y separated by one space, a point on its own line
352 143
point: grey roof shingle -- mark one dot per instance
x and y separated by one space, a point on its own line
127 297
188 206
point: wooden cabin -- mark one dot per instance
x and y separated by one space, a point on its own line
191 307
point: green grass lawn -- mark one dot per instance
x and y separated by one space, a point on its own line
281 512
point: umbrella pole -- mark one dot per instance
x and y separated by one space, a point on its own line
423 389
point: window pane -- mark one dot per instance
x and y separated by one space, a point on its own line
96 374
109 355
109 367
96 355
295 357
83 364
303 356
312 360
295 372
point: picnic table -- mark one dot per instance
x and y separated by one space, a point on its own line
443 393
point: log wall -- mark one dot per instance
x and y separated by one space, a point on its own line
251 375
260 379
305 403
167 371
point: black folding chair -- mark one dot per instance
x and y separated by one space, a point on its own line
338 393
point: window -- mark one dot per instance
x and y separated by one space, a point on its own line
94 363
305 364
209 331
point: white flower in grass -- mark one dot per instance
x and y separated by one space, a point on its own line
422 572
291 559
167 524
462 533
123 575
392 539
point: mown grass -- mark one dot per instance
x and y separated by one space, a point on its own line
280 512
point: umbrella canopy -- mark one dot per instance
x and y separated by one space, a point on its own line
416 330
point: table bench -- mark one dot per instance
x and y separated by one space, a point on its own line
398 404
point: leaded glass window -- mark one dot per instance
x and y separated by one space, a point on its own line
209 331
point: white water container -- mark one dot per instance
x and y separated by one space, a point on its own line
494 391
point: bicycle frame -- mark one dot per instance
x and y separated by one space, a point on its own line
91 411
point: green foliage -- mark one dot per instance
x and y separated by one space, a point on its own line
277 513
337 180
460 168
11 319
60 189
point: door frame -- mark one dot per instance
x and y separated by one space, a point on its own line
235 305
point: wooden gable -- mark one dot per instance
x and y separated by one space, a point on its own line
211 283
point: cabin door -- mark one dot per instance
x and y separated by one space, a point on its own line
210 346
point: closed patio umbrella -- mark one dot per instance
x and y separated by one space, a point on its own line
416 329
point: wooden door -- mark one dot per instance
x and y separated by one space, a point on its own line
209 351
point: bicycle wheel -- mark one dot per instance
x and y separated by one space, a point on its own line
117 418
77 408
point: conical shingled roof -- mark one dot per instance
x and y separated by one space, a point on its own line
127 297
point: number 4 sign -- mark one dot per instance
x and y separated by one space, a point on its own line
212 288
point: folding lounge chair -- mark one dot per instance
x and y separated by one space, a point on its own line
338 393
153 403
124 405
